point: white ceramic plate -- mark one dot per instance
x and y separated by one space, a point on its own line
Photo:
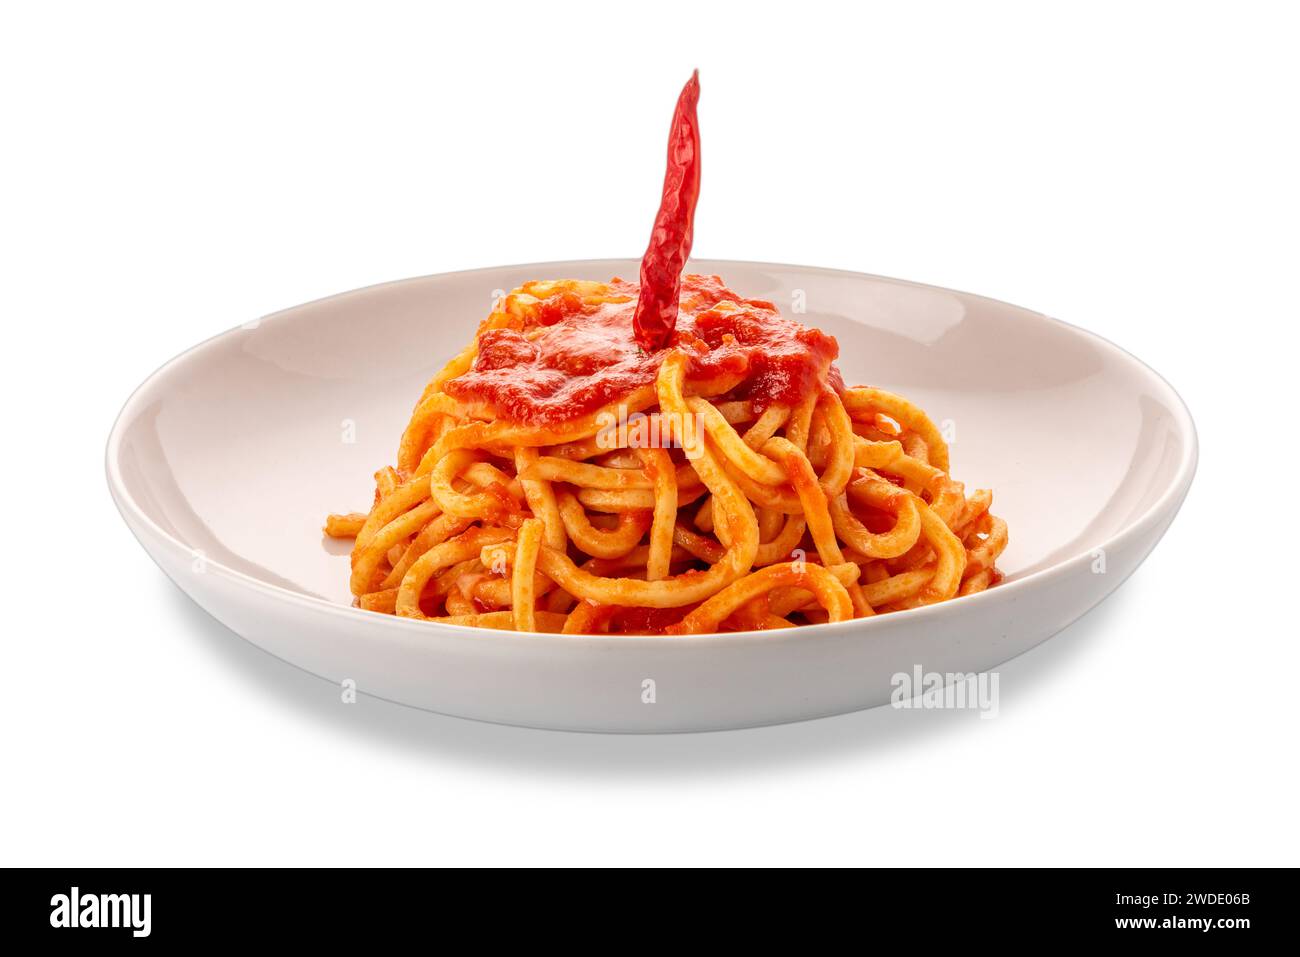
225 462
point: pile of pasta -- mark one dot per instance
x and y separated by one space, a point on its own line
837 507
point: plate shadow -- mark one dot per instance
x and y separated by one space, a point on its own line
428 736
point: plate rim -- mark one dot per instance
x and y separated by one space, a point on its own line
1168 502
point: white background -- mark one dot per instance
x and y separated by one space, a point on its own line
169 173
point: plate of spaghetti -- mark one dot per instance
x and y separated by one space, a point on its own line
662 495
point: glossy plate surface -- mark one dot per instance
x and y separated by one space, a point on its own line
226 460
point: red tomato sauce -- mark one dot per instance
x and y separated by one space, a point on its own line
572 356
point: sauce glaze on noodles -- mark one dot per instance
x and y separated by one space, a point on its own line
569 356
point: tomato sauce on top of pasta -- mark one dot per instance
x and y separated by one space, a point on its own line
556 351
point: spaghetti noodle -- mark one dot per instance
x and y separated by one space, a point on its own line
589 465
553 478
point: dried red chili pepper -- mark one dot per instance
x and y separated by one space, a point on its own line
670 241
